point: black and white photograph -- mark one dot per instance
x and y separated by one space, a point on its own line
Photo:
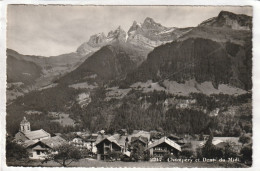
112 86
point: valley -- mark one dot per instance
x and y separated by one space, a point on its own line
181 80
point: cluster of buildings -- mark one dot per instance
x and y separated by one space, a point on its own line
38 142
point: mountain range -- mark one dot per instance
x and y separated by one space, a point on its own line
143 73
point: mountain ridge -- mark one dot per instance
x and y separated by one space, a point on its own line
199 81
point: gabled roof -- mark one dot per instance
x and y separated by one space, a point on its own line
120 139
101 138
32 135
54 141
28 143
167 141
111 139
49 143
140 138
32 144
38 147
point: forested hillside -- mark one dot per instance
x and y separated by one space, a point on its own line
227 115
197 79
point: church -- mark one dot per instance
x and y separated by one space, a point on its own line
26 134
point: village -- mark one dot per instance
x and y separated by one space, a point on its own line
140 145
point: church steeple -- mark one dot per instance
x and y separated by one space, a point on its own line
25 125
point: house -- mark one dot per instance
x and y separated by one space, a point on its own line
26 134
139 140
78 142
91 143
85 142
163 146
122 140
39 150
116 142
221 142
107 145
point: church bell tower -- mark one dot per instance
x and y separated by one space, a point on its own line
25 125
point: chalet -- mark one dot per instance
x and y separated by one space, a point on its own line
107 145
84 142
78 142
163 146
140 140
91 143
26 134
39 150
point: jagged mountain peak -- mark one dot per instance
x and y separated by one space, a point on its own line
135 26
98 40
149 23
135 23
149 20
98 35
230 14
117 33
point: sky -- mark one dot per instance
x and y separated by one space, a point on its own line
50 30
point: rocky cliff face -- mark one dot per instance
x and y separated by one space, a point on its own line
146 35
99 40
230 20
151 34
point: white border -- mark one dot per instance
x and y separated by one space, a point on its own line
256 69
